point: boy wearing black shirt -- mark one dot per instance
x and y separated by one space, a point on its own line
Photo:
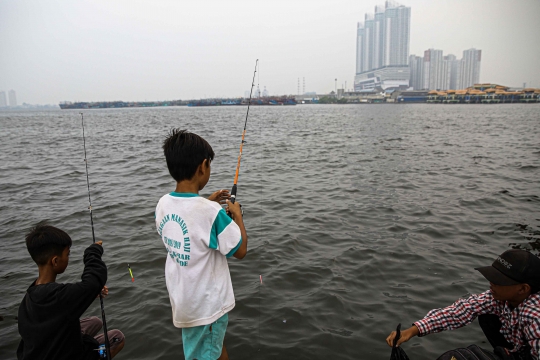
49 313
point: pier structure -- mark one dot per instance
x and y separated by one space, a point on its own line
265 100
476 94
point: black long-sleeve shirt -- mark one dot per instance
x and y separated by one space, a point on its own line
49 313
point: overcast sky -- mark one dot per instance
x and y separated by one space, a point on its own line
53 51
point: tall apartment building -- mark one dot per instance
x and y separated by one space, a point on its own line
446 72
382 48
469 70
416 67
397 25
360 33
367 61
378 41
435 70
3 100
453 71
12 98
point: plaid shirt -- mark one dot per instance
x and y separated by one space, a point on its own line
519 326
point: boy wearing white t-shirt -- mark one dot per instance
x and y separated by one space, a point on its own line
199 237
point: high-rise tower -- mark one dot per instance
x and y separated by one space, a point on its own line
397 27
469 70
378 38
367 62
416 66
435 70
382 48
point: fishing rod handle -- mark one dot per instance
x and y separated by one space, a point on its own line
233 194
233 199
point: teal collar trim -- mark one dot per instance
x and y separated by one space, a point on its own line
184 195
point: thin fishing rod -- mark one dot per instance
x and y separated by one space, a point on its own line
234 188
107 344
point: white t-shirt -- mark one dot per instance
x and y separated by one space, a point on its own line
199 237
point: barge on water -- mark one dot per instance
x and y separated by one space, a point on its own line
118 104
282 100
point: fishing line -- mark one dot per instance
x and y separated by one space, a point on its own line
260 230
107 344
234 188
233 191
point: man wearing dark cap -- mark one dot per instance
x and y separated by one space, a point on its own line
508 313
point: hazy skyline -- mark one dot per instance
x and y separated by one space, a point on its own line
124 50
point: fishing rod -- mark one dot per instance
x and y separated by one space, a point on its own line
234 188
107 344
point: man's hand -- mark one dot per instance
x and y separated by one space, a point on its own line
234 210
220 196
406 335
100 242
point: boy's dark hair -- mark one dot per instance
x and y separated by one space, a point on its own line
184 152
44 241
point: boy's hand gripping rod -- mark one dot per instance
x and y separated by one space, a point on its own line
107 344
233 191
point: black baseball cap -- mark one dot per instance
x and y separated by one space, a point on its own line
513 267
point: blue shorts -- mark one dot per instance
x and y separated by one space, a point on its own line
201 343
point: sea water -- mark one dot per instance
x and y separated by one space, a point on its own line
359 217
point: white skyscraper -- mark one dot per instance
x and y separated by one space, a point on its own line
12 98
436 70
453 71
469 70
367 62
396 33
382 48
359 47
3 100
416 67
378 40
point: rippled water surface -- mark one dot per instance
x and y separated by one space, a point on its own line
359 217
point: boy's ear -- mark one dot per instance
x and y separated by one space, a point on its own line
54 260
204 165
525 288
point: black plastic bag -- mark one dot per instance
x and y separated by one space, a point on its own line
397 352
472 352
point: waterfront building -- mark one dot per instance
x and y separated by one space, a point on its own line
360 32
448 73
469 69
3 100
378 41
435 70
12 98
397 25
382 48
453 71
416 68
367 46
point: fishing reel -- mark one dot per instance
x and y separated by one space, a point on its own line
102 351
